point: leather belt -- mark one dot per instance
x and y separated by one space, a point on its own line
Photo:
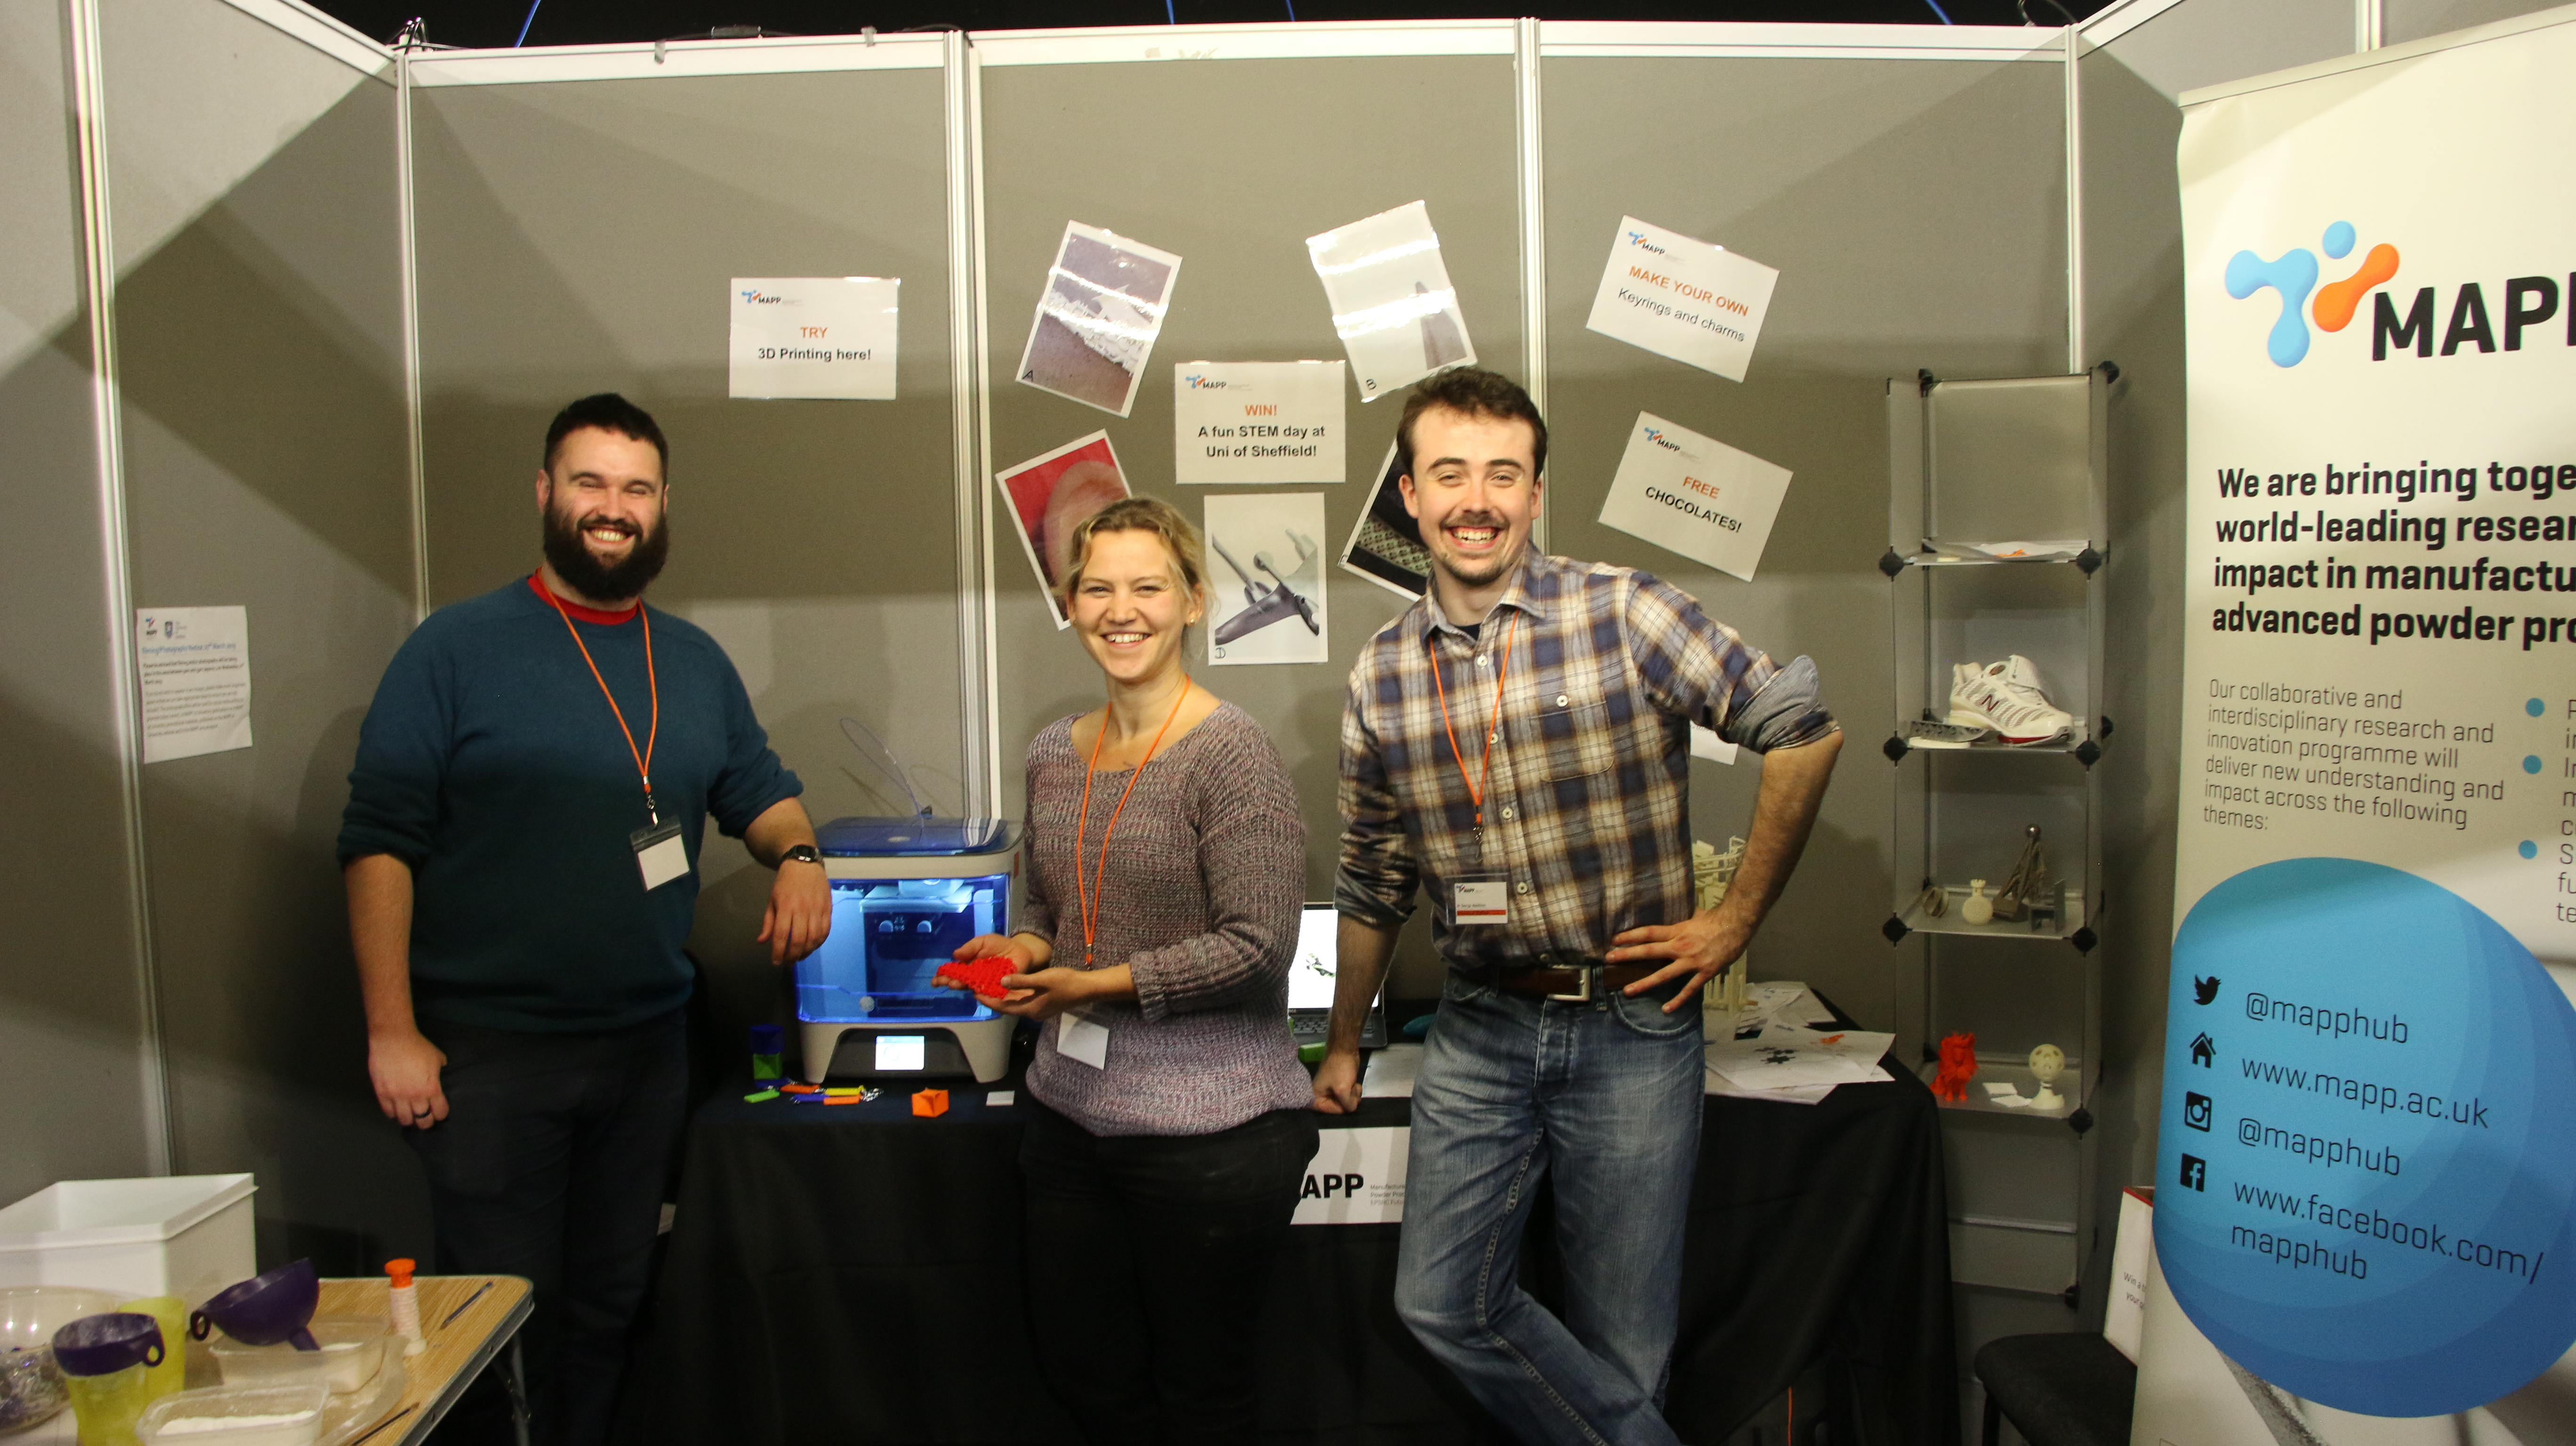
1597 981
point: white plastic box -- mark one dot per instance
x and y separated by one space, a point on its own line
182 1235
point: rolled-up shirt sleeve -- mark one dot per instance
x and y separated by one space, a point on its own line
1377 877
1697 668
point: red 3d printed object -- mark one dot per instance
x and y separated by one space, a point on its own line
1958 1066
984 975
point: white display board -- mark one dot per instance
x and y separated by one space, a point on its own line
1257 422
1356 1177
2366 1169
813 336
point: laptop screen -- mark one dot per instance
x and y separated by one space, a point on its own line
1310 973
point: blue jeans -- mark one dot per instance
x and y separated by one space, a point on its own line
1605 1096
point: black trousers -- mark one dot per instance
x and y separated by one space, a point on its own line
1147 1258
551 1164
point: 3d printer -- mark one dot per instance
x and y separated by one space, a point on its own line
905 893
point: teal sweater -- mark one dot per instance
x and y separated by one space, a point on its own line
490 763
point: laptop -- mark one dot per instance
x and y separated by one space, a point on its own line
1311 981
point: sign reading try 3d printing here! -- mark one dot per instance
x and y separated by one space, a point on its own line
1356 1177
1695 495
1257 421
195 672
1682 298
813 336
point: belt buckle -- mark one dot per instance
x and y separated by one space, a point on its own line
1589 972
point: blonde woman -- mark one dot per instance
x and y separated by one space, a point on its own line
1171 1124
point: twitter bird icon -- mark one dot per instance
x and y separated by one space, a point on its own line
2203 990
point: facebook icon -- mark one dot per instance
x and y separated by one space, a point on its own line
2195 1173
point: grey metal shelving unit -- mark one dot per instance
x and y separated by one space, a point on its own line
1972 465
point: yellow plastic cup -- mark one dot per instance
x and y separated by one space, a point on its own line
106 1406
172 1374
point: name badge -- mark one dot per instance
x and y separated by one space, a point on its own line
1480 901
659 854
1080 1039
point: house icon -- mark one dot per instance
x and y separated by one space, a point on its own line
2203 1052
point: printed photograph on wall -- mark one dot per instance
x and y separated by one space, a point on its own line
1266 578
1050 495
1386 547
1096 321
1392 302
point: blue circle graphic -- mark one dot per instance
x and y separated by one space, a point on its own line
2532 707
2338 239
2368 1149
2531 763
2529 849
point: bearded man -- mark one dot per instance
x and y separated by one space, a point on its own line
521 848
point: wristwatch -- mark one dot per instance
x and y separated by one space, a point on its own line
802 854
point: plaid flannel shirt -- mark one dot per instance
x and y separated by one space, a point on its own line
1586 810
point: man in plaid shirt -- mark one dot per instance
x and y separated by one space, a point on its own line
1516 746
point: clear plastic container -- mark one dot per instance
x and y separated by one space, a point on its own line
31 1386
236 1416
353 1348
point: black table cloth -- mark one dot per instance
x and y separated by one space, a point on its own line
852 1274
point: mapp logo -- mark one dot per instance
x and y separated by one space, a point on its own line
761 298
1198 382
2528 303
1638 240
1660 440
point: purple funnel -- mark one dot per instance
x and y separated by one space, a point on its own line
265 1309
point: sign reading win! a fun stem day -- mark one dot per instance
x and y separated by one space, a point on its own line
2367 1154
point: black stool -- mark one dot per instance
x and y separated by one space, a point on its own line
2060 1389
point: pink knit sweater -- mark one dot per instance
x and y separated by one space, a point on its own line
1204 879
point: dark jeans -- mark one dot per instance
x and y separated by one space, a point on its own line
550 1164
1148 1255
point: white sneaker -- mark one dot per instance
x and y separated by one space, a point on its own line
2006 697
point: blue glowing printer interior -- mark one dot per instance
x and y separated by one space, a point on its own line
888 937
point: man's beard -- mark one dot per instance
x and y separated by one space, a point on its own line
607 582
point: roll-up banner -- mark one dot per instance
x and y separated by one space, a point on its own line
2367 1152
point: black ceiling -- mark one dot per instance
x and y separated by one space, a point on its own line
579 22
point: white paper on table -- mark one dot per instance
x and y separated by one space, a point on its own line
1694 495
813 336
1391 1073
1266 588
1718 1084
1392 302
1257 422
1786 1055
194 667
1682 298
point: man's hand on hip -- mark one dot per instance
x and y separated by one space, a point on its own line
799 916
1698 947
404 1068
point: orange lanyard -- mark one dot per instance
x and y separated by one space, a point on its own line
643 758
1090 901
1476 785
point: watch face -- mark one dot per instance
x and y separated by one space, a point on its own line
801 853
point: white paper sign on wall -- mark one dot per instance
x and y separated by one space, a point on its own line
1356 1177
813 336
195 672
1695 495
1263 422
1681 298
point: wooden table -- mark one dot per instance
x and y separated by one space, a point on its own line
459 1350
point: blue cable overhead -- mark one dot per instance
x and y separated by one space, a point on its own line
1935 4
532 19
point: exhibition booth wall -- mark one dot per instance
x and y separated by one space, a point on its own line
285 318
